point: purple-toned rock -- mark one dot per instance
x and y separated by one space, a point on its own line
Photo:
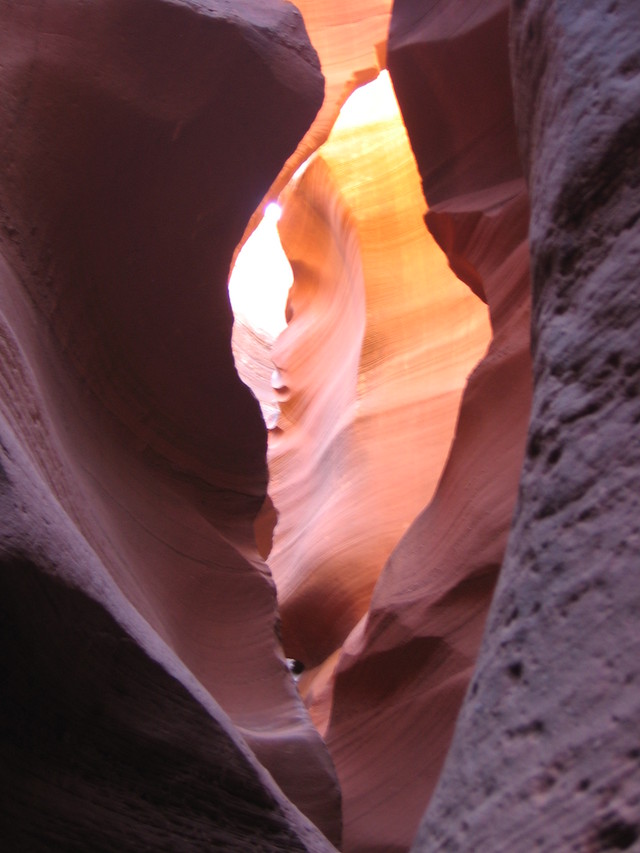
136 140
546 754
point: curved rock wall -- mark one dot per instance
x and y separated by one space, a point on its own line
350 39
546 749
403 672
137 139
311 449
381 337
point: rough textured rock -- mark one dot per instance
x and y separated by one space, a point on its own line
404 670
123 195
546 749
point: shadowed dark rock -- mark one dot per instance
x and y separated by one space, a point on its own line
545 755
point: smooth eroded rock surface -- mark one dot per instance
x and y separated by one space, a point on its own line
146 702
403 672
350 39
380 339
106 740
136 140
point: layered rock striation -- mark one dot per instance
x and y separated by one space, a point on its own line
404 671
368 372
350 40
146 702
363 434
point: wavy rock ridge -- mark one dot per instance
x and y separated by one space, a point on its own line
369 375
412 655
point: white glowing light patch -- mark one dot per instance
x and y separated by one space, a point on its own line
261 278
273 212
371 103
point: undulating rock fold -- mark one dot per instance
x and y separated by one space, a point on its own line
107 741
354 457
403 672
136 140
350 39
380 338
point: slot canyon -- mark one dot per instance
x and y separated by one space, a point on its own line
357 568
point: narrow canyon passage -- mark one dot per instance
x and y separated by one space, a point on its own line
429 502
380 342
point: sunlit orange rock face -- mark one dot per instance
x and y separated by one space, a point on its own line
381 337
133 457
350 39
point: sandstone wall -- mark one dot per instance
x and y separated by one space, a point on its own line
546 749
136 140
381 337
403 672
145 700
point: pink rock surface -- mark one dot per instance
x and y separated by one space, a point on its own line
108 742
145 699
361 442
403 672
131 168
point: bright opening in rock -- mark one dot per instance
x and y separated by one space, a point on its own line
374 102
261 278
258 288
